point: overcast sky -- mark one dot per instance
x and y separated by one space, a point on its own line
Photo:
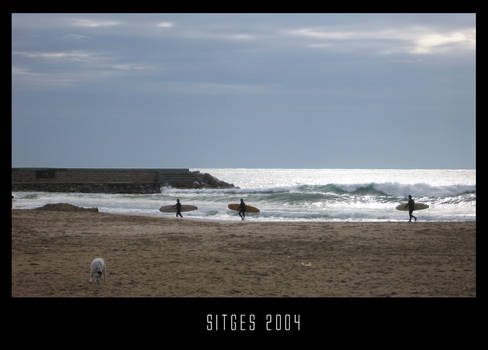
243 90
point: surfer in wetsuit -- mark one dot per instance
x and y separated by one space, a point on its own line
178 208
411 208
242 209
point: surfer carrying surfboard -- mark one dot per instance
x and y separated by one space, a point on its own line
411 207
178 208
242 209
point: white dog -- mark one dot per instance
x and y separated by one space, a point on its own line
97 269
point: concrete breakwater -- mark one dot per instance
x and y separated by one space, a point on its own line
110 180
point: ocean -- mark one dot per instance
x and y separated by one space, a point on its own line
298 195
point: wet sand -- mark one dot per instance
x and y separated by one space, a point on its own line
149 256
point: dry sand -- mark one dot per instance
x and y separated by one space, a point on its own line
169 257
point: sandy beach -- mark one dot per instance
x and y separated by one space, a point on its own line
150 256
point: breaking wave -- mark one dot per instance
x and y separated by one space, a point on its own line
311 192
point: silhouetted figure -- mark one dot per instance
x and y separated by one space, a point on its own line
242 209
178 208
411 208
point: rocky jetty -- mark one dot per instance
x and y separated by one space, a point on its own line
84 180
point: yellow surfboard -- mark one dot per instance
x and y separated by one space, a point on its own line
249 208
418 206
172 208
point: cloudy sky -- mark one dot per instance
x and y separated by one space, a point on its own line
244 90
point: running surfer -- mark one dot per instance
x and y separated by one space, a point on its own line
242 209
411 208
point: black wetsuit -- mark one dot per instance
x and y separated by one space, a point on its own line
242 210
178 209
411 207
